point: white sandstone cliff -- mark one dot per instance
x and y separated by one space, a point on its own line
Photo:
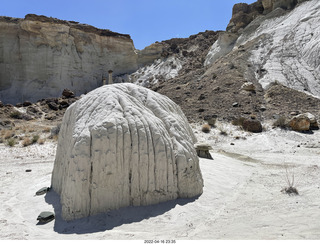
40 56
123 145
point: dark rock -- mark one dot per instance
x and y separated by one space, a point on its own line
26 116
50 116
252 125
19 105
53 106
45 217
26 104
202 97
33 110
42 191
49 100
64 104
203 150
6 124
68 93
1 104
263 108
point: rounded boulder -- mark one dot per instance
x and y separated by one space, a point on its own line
124 145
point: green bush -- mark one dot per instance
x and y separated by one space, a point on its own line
35 138
11 142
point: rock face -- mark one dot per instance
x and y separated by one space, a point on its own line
221 47
270 5
286 48
123 145
40 56
243 14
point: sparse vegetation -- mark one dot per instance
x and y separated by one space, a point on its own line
11 142
35 138
26 142
8 134
238 121
290 179
206 128
223 130
41 141
46 130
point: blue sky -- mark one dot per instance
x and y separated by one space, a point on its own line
147 21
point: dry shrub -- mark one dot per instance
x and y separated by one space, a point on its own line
290 179
206 128
41 141
223 130
46 130
26 142
238 121
8 134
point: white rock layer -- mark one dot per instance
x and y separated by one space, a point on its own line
288 49
221 47
123 145
166 69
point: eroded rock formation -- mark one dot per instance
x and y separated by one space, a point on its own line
40 56
123 145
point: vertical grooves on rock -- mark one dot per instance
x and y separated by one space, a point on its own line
151 170
117 171
125 153
138 162
91 173
130 166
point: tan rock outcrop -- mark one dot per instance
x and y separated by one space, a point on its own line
40 56
300 122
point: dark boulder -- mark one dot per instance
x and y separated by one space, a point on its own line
67 93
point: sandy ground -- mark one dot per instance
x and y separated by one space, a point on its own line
242 196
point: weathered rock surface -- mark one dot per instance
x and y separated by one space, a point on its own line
123 145
313 121
287 47
300 122
40 56
252 125
221 47
203 150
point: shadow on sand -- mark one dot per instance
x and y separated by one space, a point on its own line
110 220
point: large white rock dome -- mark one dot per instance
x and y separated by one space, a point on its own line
124 145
